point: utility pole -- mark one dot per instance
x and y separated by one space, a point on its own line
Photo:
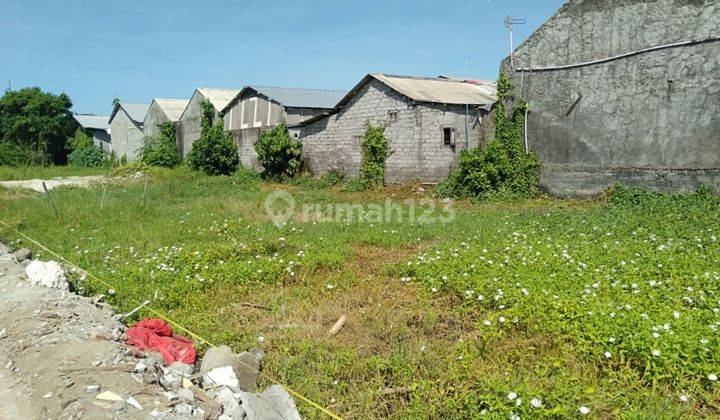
509 23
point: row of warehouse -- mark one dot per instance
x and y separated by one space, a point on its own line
428 121
619 91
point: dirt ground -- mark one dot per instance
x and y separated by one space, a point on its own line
37 184
53 345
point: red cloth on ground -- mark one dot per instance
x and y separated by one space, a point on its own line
156 335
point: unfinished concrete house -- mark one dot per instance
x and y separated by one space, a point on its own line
428 122
624 91
96 126
126 129
162 111
188 128
257 109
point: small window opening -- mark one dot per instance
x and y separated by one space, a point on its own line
392 116
448 136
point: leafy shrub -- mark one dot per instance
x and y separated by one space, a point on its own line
161 150
326 180
11 155
279 155
79 141
374 154
503 166
89 157
214 153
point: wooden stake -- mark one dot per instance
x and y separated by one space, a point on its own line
52 203
338 325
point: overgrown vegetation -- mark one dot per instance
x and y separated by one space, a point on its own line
83 153
375 150
502 167
214 153
278 154
34 126
559 282
161 150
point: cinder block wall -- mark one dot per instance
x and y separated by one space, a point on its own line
651 120
154 117
415 134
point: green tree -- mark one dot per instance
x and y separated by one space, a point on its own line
503 166
81 140
161 150
279 155
37 124
214 153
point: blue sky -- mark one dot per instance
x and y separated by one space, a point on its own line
92 50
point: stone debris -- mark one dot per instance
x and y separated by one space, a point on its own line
47 274
222 376
223 388
109 396
22 254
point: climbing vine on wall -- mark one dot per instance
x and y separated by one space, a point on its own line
503 166
374 153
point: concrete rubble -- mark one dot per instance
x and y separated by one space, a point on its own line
64 357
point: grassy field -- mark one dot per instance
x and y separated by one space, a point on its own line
532 308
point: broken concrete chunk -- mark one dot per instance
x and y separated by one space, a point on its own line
47 274
181 369
4 249
231 406
74 411
186 394
133 402
22 254
273 403
245 365
183 410
140 367
222 376
109 396
93 388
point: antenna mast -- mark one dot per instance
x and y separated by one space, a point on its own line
509 23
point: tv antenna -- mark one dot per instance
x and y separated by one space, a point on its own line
509 23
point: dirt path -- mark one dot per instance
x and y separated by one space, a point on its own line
54 345
37 184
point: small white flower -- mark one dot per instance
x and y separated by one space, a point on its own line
676 314
518 402
713 377
536 403
683 398
608 355
512 396
611 339
656 353
487 323
481 298
583 410
261 339
501 319
434 289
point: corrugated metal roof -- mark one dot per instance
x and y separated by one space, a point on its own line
440 90
95 122
136 112
172 108
219 98
302 98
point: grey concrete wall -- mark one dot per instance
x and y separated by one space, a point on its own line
126 136
101 139
414 131
254 114
153 119
651 120
245 142
189 126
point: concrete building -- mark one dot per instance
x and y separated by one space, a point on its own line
428 122
126 129
96 126
162 111
257 109
188 128
625 91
